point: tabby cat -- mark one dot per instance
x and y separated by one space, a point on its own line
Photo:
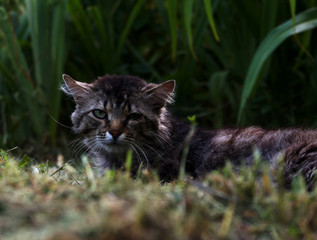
117 113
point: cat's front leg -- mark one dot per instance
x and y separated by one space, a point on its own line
168 170
101 163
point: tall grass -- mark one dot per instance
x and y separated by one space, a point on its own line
47 30
35 72
229 58
303 22
16 80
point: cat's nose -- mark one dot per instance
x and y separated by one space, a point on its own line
115 133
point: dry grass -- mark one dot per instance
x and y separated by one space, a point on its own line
41 202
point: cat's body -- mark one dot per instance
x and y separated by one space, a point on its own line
117 113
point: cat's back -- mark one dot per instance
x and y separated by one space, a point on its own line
257 136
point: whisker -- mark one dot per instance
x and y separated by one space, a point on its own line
143 152
63 125
81 145
159 138
151 148
135 150
139 147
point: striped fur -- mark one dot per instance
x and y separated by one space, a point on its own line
136 118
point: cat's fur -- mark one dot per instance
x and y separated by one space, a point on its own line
134 116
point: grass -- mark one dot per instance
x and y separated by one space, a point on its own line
61 202
303 22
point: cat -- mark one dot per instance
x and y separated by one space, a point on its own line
116 113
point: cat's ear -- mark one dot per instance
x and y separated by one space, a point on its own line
75 88
160 94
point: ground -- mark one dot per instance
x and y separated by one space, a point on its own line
40 201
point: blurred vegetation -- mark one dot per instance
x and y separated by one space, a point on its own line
234 61
60 202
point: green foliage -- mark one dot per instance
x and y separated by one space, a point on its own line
25 161
3 157
303 22
65 203
40 29
103 49
228 57
211 20
128 162
47 31
173 21
193 123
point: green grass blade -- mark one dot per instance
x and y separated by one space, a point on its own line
84 28
304 22
79 17
172 16
6 74
128 161
208 9
48 45
101 33
21 75
201 24
293 10
57 59
38 15
269 14
217 88
143 61
187 12
163 12
135 11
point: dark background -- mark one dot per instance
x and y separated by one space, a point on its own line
156 40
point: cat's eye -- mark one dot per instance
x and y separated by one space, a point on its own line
134 116
99 113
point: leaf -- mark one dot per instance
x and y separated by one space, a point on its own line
304 21
16 57
172 16
101 33
226 221
187 11
138 56
293 10
217 89
26 160
47 29
269 14
84 28
134 13
192 119
3 157
128 161
212 24
57 64
91 181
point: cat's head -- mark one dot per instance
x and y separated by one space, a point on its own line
115 113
